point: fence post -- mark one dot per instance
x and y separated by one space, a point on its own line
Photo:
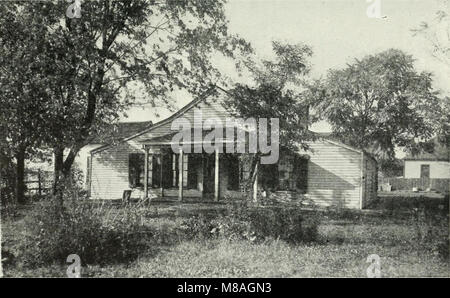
39 183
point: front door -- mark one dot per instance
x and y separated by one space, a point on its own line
424 171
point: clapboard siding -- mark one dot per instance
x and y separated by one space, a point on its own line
110 170
209 110
334 171
334 175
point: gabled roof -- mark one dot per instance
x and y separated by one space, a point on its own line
121 130
177 114
140 130
331 138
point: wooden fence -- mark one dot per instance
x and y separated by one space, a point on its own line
38 183
440 185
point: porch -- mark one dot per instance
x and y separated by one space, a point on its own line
169 175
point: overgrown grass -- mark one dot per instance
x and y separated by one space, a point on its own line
410 243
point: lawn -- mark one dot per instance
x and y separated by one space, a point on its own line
346 239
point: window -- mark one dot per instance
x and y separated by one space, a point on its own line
424 171
136 169
176 170
286 177
268 176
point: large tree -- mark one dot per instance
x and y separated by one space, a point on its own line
380 102
22 96
437 33
277 90
119 52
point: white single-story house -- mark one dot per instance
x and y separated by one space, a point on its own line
329 173
434 165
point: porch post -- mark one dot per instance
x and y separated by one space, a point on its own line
161 172
180 175
216 175
146 173
201 178
255 185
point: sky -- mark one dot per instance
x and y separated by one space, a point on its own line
337 30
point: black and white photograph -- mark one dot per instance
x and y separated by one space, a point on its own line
224 139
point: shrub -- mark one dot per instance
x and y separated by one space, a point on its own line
198 227
431 230
99 234
256 224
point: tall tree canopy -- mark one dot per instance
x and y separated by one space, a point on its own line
116 53
277 91
380 102
23 94
437 33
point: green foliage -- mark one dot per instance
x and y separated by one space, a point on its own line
289 67
380 102
256 224
391 167
431 229
346 239
437 34
64 79
98 234
275 93
268 101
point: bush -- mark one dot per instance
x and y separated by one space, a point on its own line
99 234
431 230
199 227
256 224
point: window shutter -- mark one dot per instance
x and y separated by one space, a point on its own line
136 169
185 169
233 169
155 171
140 165
302 173
130 170
174 170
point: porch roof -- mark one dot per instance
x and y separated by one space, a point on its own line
168 139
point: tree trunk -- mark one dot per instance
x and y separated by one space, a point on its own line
20 176
254 173
68 162
58 177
